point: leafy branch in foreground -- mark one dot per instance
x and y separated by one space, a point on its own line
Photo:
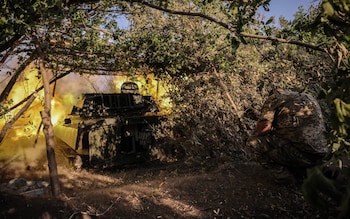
231 28
334 19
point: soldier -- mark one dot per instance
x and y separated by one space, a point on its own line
289 135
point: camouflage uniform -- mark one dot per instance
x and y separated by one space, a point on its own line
296 139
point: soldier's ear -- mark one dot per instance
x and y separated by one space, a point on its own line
263 127
276 90
280 91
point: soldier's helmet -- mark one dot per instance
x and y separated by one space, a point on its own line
129 88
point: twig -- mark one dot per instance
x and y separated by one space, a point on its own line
91 214
109 208
37 133
228 95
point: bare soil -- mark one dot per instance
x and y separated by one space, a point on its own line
212 189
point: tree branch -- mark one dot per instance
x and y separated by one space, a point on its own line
37 90
229 97
229 27
280 40
14 44
193 14
14 78
68 51
7 44
8 125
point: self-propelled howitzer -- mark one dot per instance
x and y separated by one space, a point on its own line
110 129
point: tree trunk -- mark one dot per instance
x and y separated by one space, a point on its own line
48 127
50 151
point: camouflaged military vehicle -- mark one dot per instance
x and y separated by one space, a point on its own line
106 130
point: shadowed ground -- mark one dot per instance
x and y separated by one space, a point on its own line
155 190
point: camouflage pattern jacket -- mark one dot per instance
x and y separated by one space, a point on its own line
296 117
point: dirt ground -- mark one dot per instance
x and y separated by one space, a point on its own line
212 189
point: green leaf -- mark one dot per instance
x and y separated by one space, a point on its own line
328 9
3 20
270 20
335 146
343 109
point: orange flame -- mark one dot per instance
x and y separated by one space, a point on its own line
150 86
66 98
